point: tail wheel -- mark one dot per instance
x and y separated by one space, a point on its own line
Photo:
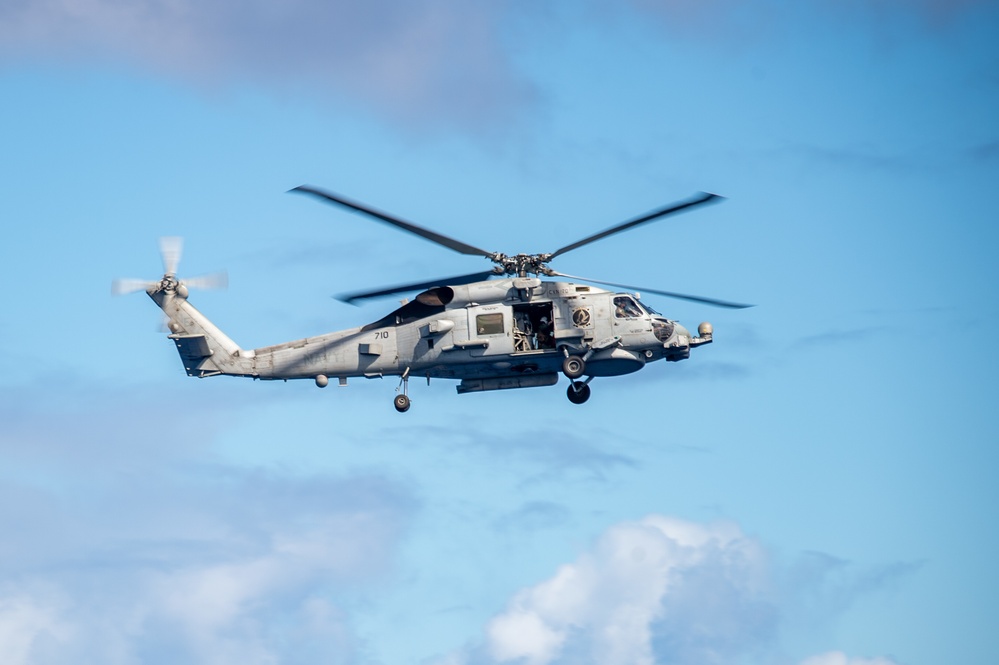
578 392
573 367
401 403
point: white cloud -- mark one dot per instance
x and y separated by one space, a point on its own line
242 598
125 540
235 600
255 569
27 626
664 590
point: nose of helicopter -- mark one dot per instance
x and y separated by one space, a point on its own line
679 344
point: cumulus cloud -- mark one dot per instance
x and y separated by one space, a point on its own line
656 590
422 61
659 590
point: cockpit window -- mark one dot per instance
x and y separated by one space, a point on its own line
626 308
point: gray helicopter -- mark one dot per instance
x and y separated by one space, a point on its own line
494 330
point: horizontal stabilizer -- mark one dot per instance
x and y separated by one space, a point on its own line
194 351
194 347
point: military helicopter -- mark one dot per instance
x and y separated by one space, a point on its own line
494 330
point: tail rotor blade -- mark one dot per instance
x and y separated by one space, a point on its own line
216 280
120 287
170 249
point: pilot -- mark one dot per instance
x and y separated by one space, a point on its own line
625 308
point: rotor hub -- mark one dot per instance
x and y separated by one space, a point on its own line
522 265
169 283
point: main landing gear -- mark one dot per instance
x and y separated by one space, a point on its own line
578 392
401 400
573 367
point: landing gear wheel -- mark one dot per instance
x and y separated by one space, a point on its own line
578 392
401 403
573 367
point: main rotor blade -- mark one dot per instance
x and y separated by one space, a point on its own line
669 294
696 200
352 298
432 236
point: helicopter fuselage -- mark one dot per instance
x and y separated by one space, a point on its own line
490 335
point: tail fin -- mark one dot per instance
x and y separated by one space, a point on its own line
204 349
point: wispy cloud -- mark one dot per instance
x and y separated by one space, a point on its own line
551 453
840 658
731 17
425 63
986 152
822 586
837 337
534 515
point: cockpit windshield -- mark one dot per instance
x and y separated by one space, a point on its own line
649 309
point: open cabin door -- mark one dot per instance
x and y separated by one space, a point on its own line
533 327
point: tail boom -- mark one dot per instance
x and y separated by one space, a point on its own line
204 349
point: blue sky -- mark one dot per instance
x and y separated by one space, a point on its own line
814 488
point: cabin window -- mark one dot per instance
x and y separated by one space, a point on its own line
489 324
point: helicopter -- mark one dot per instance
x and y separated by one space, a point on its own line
505 328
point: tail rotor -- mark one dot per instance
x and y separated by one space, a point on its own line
171 249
